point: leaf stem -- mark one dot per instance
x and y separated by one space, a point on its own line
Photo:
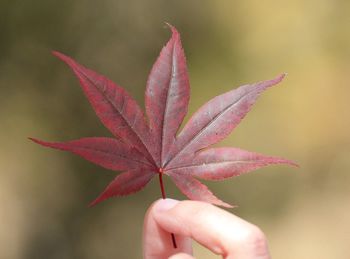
161 184
160 174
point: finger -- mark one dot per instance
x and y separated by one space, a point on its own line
157 242
181 256
221 232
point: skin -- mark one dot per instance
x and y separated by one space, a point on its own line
221 232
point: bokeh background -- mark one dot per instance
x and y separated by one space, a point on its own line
44 193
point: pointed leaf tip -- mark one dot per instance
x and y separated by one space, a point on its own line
66 59
43 143
58 54
291 163
281 77
274 81
172 28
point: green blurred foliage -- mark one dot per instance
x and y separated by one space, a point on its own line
44 193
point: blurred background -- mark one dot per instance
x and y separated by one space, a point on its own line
44 193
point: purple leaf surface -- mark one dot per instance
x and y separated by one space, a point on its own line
126 183
195 190
222 163
145 147
167 95
216 119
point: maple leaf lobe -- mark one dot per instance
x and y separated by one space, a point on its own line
116 109
167 96
144 148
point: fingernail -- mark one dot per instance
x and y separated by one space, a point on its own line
165 204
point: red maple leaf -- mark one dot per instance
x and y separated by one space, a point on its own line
146 148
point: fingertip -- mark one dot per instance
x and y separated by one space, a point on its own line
181 256
164 205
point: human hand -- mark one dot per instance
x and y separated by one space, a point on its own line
216 229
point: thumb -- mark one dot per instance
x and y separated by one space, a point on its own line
157 243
